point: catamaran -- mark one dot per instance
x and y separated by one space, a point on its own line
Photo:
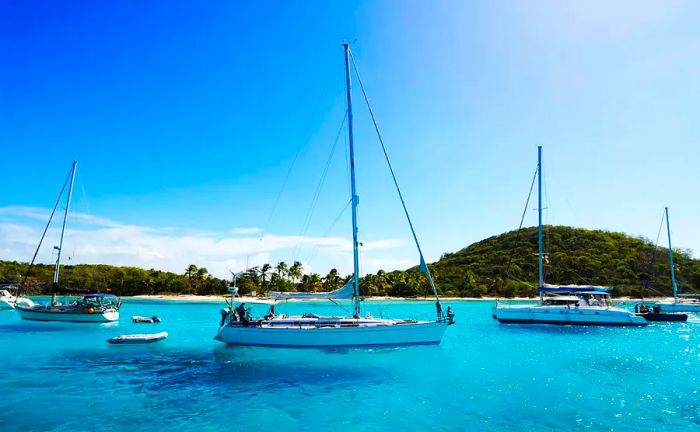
680 303
314 331
87 308
565 304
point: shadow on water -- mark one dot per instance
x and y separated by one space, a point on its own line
51 327
225 370
549 329
31 327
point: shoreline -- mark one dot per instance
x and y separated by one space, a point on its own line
221 298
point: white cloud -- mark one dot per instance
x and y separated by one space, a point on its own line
244 230
99 240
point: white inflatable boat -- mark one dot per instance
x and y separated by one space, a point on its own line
139 338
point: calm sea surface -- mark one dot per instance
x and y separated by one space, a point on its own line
484 376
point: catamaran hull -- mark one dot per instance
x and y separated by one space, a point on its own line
421 333
679 307
582 316
42 315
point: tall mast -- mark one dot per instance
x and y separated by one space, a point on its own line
670 259
355 198
54 286
539 221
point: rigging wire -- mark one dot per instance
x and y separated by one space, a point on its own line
647 284
547 229
319 187
31 264
423 264
517 234
281 191
330 228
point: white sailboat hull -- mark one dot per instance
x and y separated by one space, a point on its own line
40 314
412 333
563 315
679 307
6 305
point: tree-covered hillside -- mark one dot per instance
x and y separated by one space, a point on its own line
574 256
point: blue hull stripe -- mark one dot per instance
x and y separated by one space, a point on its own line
578 323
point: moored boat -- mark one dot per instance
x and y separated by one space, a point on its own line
680 303
585 305
96 307
569 305
145 320
313 331
142 338
654 314
99 308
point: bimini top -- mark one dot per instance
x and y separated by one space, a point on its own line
564 289
99 295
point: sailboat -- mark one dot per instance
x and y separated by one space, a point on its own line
565 304
679 304
96 307
314 331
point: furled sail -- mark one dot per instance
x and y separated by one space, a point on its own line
548 288
343 293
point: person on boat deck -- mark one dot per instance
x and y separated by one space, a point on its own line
450 314
271 313
240 310
636 308
438 307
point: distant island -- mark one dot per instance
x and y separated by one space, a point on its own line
504 265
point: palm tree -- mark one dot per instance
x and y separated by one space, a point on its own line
282 269
264 270
202 275
314 282
190 272
254 273
296 270
332 280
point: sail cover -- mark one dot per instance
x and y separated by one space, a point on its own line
343 293
573 288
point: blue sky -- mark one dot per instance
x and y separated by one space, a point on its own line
185 118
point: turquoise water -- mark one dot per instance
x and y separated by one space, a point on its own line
484 376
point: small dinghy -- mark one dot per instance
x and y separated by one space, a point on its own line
145 320
654 314
138 338
664 316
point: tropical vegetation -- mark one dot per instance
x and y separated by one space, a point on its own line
503 265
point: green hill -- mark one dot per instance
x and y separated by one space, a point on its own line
575 255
